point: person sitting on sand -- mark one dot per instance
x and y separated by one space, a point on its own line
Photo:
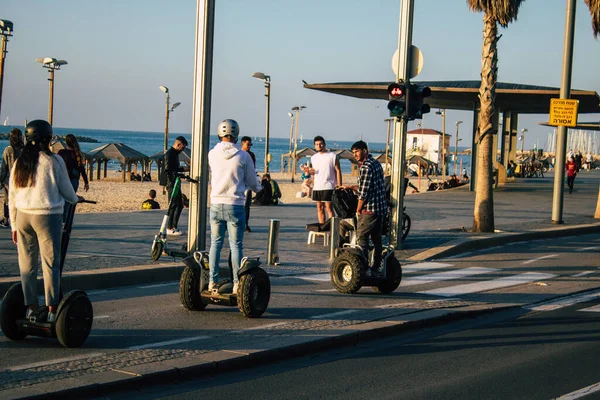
150 203
270 194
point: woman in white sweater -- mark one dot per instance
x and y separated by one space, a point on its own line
39 186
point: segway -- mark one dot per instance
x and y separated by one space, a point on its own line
350 269
159 245
254 286
74 316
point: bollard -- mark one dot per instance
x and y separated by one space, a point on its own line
273 245
334 237
597 214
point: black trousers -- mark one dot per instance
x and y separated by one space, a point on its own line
570 182
247 204
369 227
175 208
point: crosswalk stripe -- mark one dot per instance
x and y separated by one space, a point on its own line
562 302
482 286
315 277
424 266
595 308
444 276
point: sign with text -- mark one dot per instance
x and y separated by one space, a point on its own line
563 112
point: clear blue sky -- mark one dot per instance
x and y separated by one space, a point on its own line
119 52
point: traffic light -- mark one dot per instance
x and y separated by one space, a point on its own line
397 104
417 107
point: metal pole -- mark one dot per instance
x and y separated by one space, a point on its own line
268 95
273 244
51 97
2 57
443 146
456 146
387 143
166 123
291 143
522 141
334 237
205 18
295 145
565 93
399 148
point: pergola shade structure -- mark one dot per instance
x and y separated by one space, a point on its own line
123 154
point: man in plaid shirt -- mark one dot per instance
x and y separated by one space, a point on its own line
372 206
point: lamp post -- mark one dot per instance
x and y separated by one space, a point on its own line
297 109
168 110
387 142
456 145
51 64
522 139
267 80
291 139
6 28
443 114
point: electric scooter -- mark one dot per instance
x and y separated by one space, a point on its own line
159 245
254 286
350 269
74 316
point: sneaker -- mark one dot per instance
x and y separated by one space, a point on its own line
4 223
211 286
174 232
235 287
29 312
248 229
51 317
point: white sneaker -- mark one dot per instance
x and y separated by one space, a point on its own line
51 317
235 287
211 286
174 232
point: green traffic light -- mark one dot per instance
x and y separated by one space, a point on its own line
397 108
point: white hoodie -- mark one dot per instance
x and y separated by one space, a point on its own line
232 172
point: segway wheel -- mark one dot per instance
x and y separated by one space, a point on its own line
13 308
74 321
394 274
405 226
348 271
189 288
157 250
254 293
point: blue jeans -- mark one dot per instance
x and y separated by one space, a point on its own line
232 218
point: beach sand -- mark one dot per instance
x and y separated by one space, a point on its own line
113 195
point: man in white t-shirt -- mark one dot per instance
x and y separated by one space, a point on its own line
326 174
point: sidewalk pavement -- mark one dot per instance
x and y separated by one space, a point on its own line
113 249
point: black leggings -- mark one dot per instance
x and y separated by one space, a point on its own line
175 209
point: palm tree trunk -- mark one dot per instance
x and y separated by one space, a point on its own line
483 213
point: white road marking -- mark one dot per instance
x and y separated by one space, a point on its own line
595 308
483 286
95 292
55 361
256 328
335 314
394 305
101 316
315 277
584 273
168 342
562 302
444 276
581 392
539 258
158 285
588 248
424 267
326 290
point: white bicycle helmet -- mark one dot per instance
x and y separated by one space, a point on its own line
229 127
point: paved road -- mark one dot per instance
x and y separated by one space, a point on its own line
519 354
138 327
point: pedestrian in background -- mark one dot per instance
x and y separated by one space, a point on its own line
571 168
11 153
246 146
74 161
172 170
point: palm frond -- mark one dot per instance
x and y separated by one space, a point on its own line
503 11
594 6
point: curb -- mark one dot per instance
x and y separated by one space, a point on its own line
460 246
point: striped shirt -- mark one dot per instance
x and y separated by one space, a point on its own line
371 188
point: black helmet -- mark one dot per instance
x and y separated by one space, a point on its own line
38 130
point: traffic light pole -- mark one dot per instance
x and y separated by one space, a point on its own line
399 148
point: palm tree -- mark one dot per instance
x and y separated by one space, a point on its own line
494 12
594 6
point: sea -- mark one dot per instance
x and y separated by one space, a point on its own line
150 143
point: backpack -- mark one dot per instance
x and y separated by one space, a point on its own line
344 202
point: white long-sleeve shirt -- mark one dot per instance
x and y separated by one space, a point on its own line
52 188
232 171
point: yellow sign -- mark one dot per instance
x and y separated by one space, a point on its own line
563 112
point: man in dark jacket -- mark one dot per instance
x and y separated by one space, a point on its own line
172 169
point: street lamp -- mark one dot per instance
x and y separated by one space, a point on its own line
456 145
267 80
443 114
297 109
51 64
522 139
291 139
6 28
168 109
